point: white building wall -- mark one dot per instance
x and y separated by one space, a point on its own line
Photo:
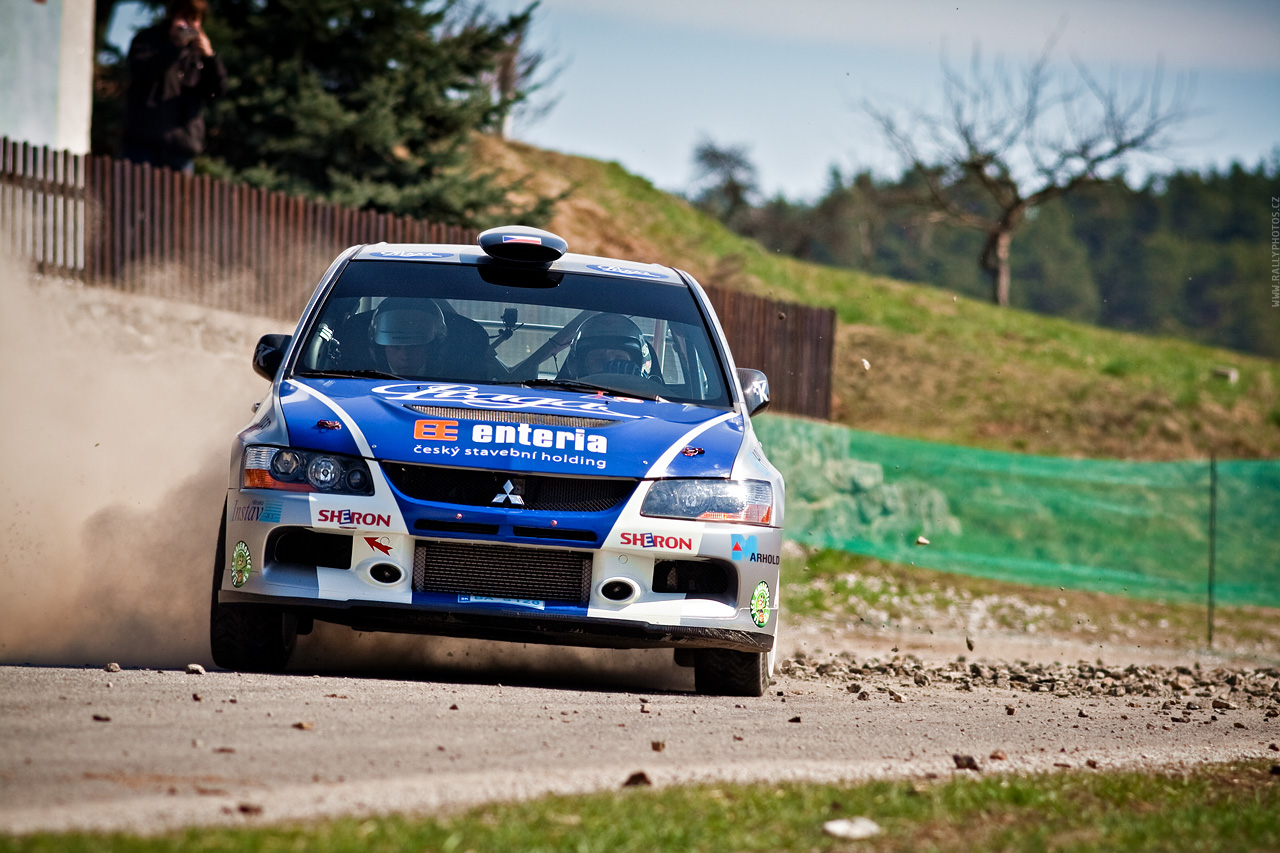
46 72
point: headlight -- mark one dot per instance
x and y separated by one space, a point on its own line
749 501
305 471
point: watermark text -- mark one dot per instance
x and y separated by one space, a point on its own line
1275 252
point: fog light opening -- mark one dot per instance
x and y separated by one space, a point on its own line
387 573
619 589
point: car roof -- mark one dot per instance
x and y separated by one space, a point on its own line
471 254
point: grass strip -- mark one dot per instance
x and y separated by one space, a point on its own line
1211 807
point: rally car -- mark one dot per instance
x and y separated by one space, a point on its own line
504 441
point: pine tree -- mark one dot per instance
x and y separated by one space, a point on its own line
368 104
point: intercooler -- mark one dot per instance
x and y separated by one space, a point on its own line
502 571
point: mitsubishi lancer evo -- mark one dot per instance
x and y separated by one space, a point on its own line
504 441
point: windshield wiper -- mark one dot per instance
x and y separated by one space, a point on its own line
350 374
575 385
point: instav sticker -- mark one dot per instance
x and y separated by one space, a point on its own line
760 604
241 565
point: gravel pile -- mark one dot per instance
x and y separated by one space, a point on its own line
1184 688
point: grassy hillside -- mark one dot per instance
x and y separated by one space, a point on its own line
942 367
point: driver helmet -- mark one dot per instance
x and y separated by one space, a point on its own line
624 348
406 322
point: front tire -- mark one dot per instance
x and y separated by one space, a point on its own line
247 637
727 672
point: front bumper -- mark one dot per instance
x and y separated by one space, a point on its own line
595 632
684 584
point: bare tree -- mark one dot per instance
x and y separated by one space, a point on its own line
1003 143
725 182
522 72
527 72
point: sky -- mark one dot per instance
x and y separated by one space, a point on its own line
643 83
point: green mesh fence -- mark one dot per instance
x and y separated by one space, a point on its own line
1132 528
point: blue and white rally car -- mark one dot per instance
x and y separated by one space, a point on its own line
509 442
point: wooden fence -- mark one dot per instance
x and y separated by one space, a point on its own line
792 343
111 223
42 207
134 228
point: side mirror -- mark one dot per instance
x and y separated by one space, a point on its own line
755 389
269 354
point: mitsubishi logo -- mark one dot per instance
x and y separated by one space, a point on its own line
508 494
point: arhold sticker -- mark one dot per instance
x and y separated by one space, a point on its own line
760 604
242 565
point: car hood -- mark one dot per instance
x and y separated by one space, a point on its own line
504 427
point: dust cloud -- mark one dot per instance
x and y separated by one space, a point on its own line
119 415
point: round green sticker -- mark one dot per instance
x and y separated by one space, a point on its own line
760 604
241 565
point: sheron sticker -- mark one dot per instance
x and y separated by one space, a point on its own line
760 604
241 565
350 518
651 540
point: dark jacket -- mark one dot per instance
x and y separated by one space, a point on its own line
168 86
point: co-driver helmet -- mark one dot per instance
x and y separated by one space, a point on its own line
609 332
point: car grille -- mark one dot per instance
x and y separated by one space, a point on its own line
502 571
535 492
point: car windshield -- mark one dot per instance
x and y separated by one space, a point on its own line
501 325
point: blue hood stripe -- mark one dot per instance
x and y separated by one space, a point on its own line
381 486
361 442
660 466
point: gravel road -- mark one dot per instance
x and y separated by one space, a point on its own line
101 564
148 750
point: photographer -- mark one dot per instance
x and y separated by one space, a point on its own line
172 72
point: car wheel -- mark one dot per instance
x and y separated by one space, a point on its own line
726 672
247 637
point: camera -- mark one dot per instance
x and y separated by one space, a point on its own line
183 34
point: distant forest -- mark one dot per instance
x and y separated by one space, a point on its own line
1187 255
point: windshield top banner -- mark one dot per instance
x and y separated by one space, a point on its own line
476 427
